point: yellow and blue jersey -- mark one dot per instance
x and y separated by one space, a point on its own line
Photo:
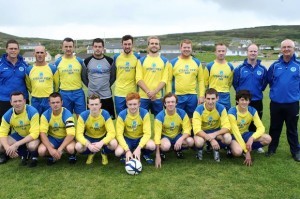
240 124
205 120
185 75
134 127
171 125
153 71
70 73
41 81
218 76
58 126
25 123
125 70
95 127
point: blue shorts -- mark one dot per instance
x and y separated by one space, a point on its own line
120 104
92 140
246 136
132 143
173 140
154 106
56 142
222 145
224 99
40 103
188 103
74 100
16 136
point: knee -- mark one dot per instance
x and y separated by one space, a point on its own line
42 150
165 146
119 151
199 141
227 138
113 144
33 145
70 148
150 145
190 142
236 151
266 139
79 147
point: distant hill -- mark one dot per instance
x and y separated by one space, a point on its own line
268 35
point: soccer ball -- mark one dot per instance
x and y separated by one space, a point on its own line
133 167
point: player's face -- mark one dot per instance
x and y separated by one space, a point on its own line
252 52
287 48
55 103
18 103
210 101
94 106
12 51
40 54
220 52
170 103
98 49
186 49
133 106
68 48
243 103
127 46
153 45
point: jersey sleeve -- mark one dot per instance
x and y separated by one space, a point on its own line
206 77
201 81
157 131
186 125
170 76
146 130
4 128
120 126
224 120
165 75
197 122
260 129
44 124
34 130
139 72
80 127
236 132
111 132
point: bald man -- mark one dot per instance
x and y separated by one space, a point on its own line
284 80
41 80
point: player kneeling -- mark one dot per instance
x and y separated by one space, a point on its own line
134 131
57 131
172 129
211 124
240 118
95 131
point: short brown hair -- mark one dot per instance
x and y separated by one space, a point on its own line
186 41
170 95
93 97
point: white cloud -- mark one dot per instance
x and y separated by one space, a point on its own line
87 19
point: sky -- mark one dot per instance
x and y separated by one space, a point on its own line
88 19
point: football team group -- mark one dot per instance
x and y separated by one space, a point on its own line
190 103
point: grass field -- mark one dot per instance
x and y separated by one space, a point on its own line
275 177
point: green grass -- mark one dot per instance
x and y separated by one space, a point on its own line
275 177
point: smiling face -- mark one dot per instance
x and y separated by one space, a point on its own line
12 51
68 48
133 106
127 46
221 52
186 50
18 103
287 48
210 101
153 46
170 104
243 103
252 52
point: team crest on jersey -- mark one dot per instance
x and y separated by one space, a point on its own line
96 125
172 126
134 125
127 66
221 74
259 73
55 126
99 67
21 123
242 123
187 69
293 69
21 69
153 67
210 120
41 75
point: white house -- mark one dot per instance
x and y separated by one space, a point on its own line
234 51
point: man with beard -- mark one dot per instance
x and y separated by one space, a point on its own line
123 72
152 76
99 76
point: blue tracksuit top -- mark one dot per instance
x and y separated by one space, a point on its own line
254 79
12 78
284 80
